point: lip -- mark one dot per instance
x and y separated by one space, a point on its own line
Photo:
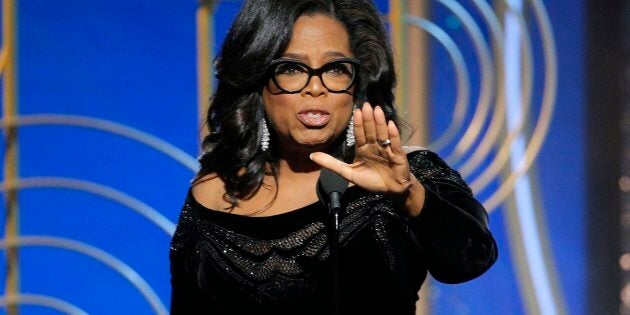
313 117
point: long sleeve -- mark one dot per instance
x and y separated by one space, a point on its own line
452 228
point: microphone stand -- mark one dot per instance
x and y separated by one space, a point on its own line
333 240
330 188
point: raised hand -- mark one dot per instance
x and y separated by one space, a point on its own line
380 164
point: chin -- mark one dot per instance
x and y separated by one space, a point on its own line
319 140
313 138
316 144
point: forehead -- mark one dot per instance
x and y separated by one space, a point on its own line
318 36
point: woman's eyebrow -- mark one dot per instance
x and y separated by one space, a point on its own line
335 54
294 56
304 57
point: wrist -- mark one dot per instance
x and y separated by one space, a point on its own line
412 201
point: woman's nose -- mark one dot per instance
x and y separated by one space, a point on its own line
315 87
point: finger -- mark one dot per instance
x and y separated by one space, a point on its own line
331 163
380 123
368 123
394 136
359 132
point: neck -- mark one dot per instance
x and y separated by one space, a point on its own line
295 158
297 162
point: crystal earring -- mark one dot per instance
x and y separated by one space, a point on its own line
350 133
264 135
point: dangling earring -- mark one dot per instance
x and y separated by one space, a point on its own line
350 133
264 135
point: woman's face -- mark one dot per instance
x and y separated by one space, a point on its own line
313 118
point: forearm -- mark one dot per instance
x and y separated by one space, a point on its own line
453 231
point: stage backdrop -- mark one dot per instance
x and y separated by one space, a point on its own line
109 133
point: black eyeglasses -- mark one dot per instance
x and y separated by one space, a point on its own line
292 76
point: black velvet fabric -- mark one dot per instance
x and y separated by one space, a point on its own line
228 264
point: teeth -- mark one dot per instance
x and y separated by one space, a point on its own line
313 115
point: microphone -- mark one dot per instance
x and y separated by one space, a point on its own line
330 188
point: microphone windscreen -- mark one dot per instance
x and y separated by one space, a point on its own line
330 182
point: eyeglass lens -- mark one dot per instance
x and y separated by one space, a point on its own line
336 76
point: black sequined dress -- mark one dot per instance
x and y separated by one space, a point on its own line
223 263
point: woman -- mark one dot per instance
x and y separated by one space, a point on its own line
306 84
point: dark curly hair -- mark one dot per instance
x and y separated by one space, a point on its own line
261 33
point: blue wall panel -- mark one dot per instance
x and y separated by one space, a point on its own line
128 62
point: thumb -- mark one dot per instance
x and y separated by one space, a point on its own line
331 163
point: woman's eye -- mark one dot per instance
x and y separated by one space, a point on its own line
338 69
289 69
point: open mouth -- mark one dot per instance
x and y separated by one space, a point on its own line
313 118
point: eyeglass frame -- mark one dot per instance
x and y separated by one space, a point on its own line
311 72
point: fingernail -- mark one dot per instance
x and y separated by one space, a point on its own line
310 156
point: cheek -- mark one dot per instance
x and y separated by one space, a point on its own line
277 109
272 88
274 104
345 117
346 105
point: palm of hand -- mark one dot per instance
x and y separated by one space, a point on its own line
376 168
377 171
